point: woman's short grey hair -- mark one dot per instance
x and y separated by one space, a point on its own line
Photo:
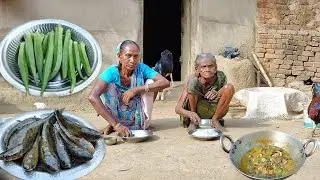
204 56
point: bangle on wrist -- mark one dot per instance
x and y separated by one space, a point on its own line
117 125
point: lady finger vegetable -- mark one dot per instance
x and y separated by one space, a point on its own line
38 38
23 66
48 63
65 54
45 44
84 59
31 60
72 72
77 58
57 52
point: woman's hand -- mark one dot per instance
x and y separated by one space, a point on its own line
216 124
123 130
194 117
126 96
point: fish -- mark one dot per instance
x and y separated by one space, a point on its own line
61 150
15 128
81 142
77 152
26 134
14 153
77 129
31 158
48 157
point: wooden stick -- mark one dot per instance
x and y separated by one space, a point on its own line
257 69
264 74
254 64
258 78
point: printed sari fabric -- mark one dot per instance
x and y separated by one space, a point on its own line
132 115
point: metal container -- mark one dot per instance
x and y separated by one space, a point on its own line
205 123
110 140
205 134
3 120
138 136
73 173
9 48
293 146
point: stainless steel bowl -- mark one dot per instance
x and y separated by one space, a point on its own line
138 136
110 140
205 123
73 173
205 134
9 52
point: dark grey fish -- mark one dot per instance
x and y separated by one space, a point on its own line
16 128
80 154
49 159
77 129
31 158
61 150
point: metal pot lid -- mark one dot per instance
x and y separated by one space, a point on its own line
73 173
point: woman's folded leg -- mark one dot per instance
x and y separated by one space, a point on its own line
147 100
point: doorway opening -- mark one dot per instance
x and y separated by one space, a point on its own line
161 31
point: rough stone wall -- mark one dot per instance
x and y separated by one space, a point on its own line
288 38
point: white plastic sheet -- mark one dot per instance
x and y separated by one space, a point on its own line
272 102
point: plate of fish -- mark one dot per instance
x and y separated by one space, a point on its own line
49 144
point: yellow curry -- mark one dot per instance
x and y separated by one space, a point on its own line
267 162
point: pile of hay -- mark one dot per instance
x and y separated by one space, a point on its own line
239 72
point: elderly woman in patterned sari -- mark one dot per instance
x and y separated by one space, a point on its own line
206 94
124 93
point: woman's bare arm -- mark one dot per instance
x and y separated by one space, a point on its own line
159 83
179 107
94 97
193 102
183 112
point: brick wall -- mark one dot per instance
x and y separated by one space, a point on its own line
288 38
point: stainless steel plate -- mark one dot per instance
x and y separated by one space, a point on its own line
74 173
3 120
9 52
138 136
205 134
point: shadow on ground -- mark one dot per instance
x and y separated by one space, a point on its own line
6 108
245 123
173 123
165 124
152 138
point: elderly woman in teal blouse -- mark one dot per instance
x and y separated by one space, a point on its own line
124 93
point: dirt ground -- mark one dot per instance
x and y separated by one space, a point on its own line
172 154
